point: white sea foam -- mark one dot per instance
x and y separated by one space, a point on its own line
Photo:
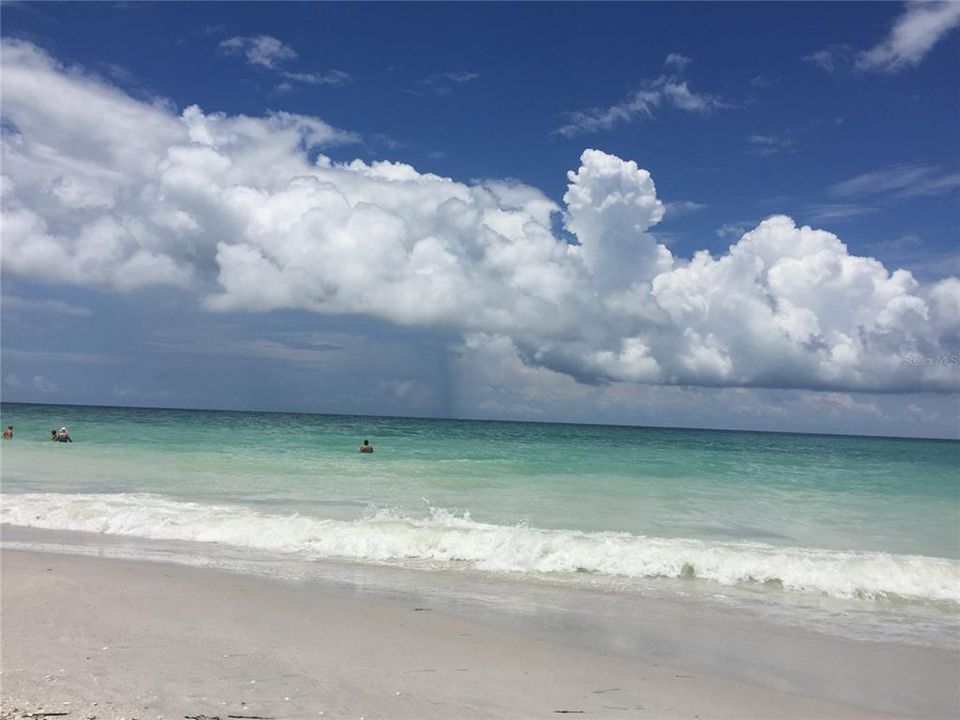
444 537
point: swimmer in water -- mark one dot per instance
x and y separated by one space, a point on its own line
366 447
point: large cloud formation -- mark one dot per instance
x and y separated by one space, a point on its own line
104 190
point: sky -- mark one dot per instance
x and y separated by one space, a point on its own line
719 215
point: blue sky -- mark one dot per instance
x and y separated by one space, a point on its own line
669 214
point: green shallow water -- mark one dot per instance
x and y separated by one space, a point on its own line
840 493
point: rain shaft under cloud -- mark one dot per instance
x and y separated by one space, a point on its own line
103 190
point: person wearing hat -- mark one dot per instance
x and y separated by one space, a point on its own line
63 435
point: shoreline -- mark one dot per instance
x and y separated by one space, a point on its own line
184 640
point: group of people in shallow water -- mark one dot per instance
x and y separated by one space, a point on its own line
61 435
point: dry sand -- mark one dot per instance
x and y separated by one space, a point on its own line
111 638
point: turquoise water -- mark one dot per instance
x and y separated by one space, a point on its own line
836 516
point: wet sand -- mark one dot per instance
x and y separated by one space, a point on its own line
116 638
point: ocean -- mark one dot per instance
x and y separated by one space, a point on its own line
857 534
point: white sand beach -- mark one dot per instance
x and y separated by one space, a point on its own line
114 638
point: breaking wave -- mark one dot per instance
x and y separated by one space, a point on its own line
444 538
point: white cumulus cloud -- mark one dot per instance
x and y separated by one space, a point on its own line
266 51
898 183
263 50
330 77
244 213
912 36
670 90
